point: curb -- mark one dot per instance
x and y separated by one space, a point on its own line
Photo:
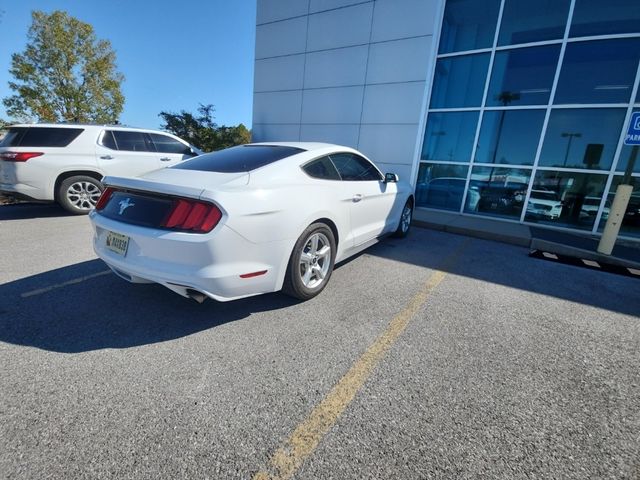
568 251
586 263
470 232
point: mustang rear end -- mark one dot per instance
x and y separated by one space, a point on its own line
181 242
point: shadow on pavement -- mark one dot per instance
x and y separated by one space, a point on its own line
24 211
512 267
107 312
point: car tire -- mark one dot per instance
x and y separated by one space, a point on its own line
79 194
405 220
311 262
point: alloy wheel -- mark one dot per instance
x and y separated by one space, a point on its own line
405 220
83 195
315 260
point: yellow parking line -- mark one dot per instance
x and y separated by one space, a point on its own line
40 291
305 438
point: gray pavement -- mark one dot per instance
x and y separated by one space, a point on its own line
512 368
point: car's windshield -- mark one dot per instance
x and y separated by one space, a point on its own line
544 195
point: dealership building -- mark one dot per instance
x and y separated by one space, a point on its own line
514 110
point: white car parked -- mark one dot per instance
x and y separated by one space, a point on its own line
544 205
248 220
66 162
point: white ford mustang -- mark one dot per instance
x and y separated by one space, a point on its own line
248 220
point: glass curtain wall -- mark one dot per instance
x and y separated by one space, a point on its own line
529 104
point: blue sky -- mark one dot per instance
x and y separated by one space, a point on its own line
173 54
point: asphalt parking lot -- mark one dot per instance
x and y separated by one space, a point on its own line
437 356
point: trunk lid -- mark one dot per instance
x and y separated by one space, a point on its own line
153 199
179 183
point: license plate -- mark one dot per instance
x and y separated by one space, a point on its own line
118 243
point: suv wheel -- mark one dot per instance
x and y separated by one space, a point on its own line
79 194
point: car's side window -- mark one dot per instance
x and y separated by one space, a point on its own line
108 140
321 168
41 136
352 167
13 137
166 144
133 141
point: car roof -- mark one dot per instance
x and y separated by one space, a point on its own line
83 125
308 146
309 151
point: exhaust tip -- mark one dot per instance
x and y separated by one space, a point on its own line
195 295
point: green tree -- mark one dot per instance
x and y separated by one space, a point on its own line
231 136
202 131
64 74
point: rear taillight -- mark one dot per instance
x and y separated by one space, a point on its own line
19 156
104 198
192 215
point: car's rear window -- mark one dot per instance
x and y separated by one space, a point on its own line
12 137
243 158
40 137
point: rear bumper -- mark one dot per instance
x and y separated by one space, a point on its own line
211 263
24 192
26 180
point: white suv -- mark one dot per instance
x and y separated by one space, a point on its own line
65 163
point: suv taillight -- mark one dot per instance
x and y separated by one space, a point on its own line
104 198
19 156
192 215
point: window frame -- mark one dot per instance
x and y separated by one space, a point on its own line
151 148
327 156
187 148
380 174
103 133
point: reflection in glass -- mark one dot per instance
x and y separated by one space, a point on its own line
625 156
449 136
523 76
468 25
525 21
497 191
565 199
441 186
597 17
509 136
459 81
600 71
631 220
582 138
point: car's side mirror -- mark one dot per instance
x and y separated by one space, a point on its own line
390 178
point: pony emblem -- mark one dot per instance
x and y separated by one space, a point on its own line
124 204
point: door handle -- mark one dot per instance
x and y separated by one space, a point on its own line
106 157
357 197
165 159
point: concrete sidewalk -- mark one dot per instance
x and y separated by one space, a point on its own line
625 254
